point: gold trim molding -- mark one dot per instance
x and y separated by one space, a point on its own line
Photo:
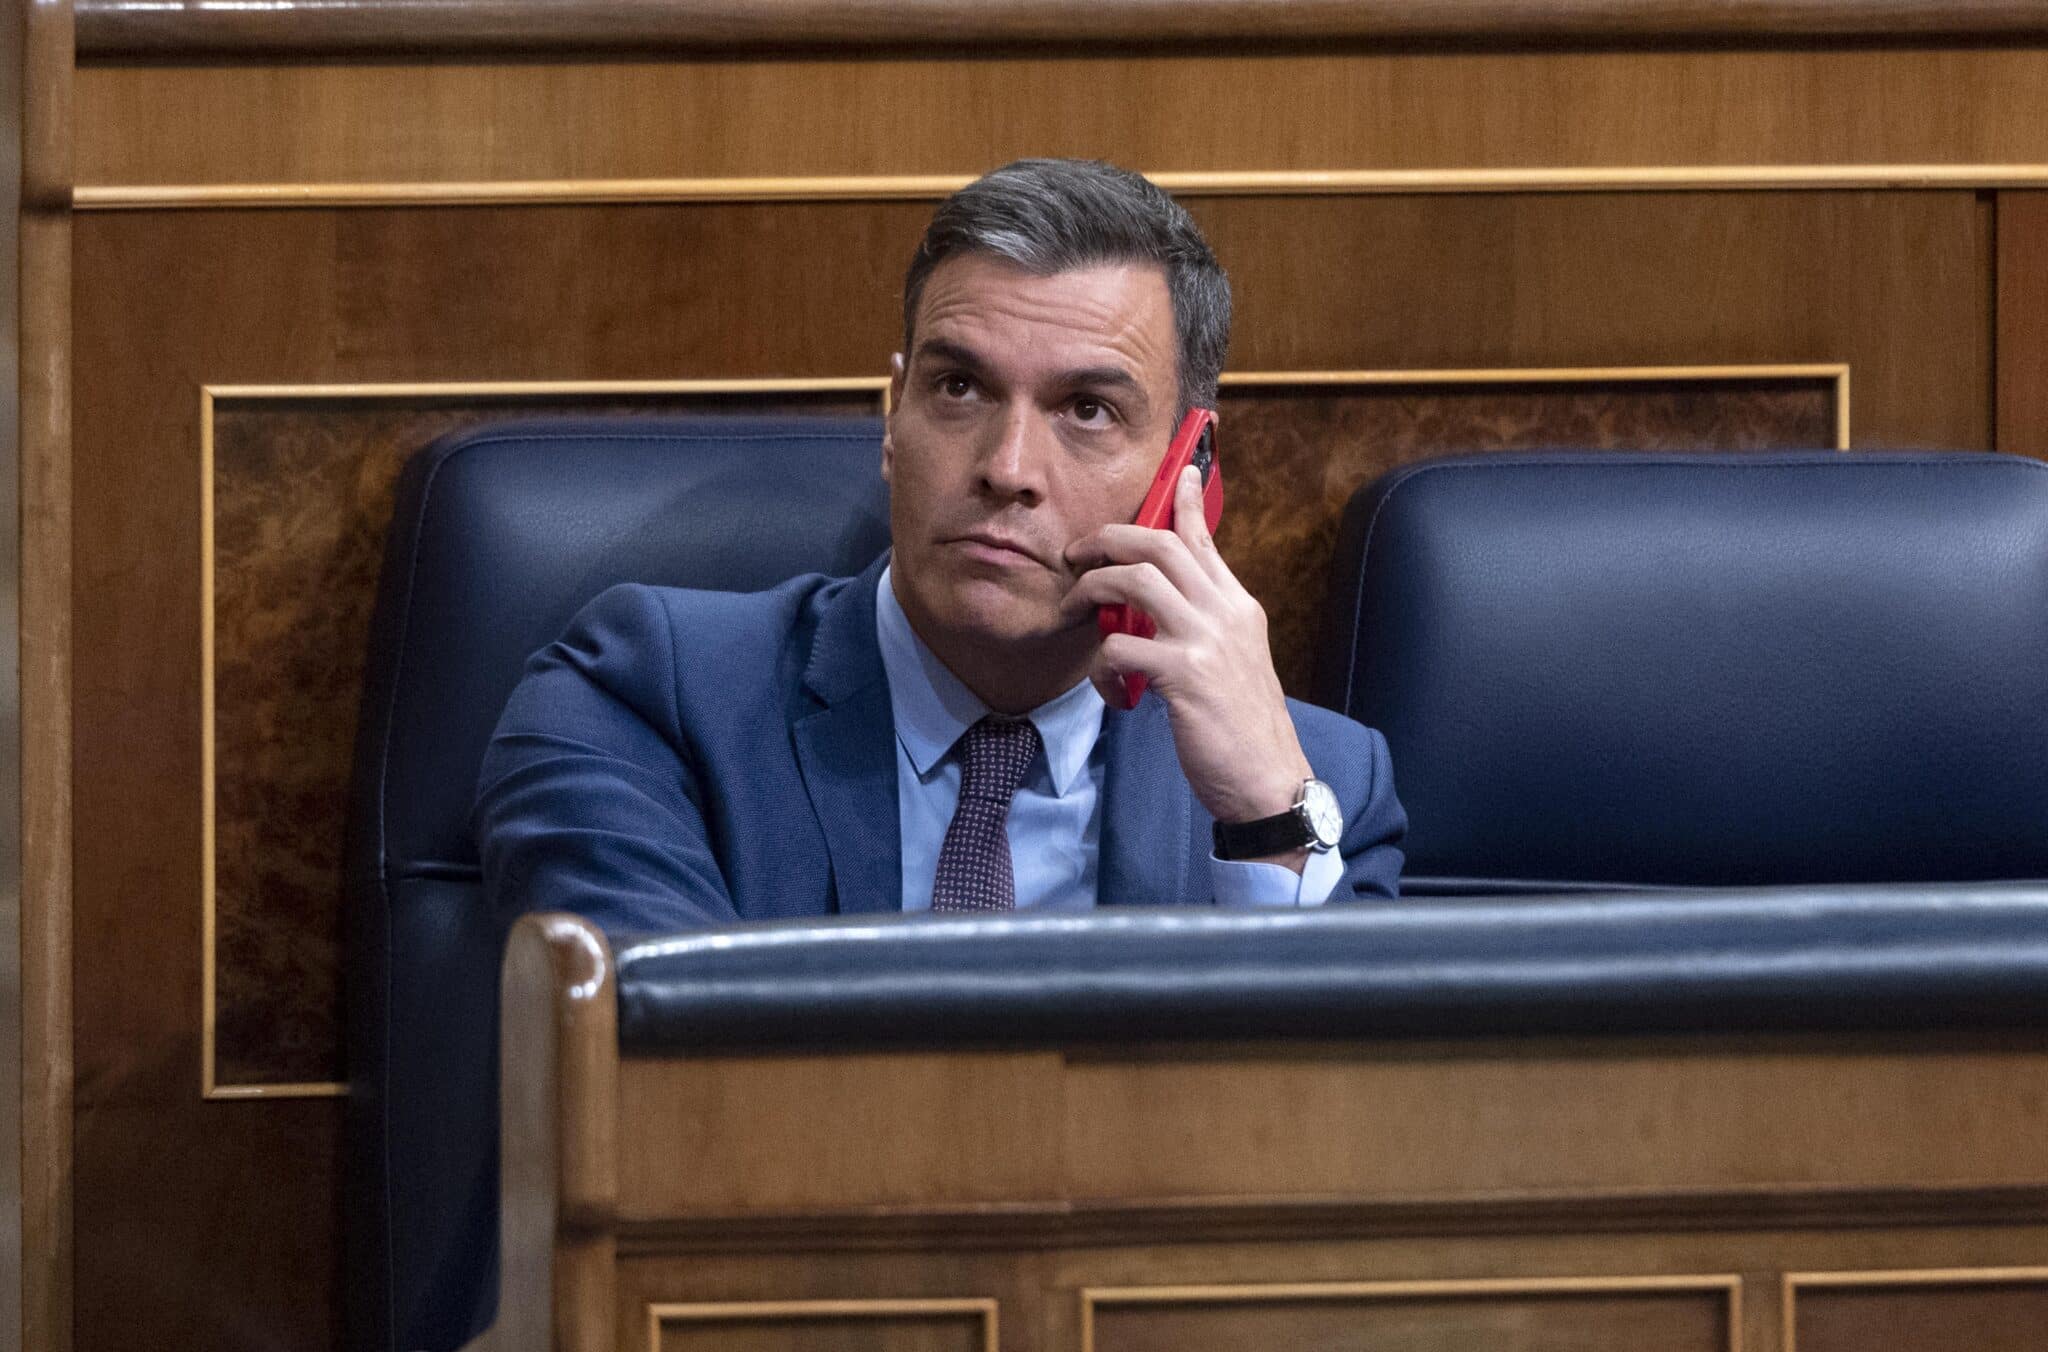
211 1086
1193 184
729 1311
1728 1285
1791 1283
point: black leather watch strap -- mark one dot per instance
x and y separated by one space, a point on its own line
1279 834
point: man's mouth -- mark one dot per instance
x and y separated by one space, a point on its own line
996 547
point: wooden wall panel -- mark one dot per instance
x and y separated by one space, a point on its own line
2022 383
1498 1320
463 121
1895 285
868 1325
733 1138
1923 1312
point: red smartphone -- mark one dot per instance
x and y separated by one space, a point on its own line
1194 444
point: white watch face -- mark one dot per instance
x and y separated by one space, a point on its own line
1325 817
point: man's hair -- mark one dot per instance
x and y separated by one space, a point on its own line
1049 216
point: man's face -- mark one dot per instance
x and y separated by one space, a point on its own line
1031 412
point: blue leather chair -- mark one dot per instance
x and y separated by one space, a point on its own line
500 535
1630 671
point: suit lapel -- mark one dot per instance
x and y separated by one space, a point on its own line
846 751
1147 813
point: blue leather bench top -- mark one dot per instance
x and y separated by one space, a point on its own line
1766 959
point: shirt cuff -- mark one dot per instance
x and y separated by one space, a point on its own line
1240 883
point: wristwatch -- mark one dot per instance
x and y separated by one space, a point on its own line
1315 822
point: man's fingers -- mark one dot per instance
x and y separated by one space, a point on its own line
1163 549
1192 526
1122 655
1136 584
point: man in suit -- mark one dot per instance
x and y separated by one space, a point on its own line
941 731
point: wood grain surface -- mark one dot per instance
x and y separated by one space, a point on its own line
1452 109
825 1326
1982 1316
2022 340
1624 1136
235 1247
733 1136
1585 1321
1040 1292
1896 285
380 26
41 352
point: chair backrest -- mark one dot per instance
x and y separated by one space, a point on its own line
1600 668
500 535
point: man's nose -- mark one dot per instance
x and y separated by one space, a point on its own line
1014 465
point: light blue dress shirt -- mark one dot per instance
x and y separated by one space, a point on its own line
1055 819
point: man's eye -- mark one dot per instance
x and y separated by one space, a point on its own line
1091 412
955 386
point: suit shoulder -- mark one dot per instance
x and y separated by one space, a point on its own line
1327 725
724 650
1344 752
709 621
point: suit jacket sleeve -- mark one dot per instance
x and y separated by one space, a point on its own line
1353 760
1373 834
589 799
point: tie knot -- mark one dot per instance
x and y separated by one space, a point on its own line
994 756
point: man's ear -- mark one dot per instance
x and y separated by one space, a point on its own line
896 372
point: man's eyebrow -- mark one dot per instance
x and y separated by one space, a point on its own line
1111 378
945 349
1114 377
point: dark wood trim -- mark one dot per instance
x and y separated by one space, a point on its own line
2020 345
1057 1225
144 28
45 450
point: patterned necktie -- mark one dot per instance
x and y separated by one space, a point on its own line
974 863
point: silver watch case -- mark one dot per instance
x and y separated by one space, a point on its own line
1321 814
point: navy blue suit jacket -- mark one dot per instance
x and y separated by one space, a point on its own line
687 758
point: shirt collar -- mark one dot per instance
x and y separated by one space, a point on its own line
933 708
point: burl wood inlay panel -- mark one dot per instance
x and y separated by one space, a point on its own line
1657 1321
1293 456
302 496
1980 1317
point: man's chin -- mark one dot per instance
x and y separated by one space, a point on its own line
1004 620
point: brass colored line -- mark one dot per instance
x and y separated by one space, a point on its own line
1514 375
930 187
1473 1286
209 1086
